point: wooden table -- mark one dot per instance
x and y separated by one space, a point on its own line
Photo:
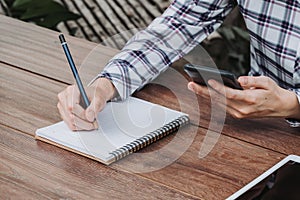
33 70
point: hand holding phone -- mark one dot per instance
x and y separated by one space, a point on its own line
202 74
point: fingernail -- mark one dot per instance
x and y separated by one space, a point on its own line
96 126
212 83
90 115
190 87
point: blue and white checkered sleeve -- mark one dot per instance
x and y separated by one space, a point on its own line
169 37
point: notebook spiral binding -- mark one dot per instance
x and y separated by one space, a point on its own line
150 138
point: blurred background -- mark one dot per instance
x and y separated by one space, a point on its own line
113 22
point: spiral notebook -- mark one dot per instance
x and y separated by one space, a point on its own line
124 128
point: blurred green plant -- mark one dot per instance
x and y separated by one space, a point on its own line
46 13
237 45
230 46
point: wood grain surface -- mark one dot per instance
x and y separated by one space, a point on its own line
208 159
29 100
33 117
229 166
31 170
38 50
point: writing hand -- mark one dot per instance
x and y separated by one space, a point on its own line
73 113
261 97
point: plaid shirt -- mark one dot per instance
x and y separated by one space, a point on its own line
273 25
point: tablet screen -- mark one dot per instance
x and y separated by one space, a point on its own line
283 183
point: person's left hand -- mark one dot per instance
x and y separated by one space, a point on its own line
261 97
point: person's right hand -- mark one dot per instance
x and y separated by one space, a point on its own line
74 114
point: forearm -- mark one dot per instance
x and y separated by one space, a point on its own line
169 37
104 87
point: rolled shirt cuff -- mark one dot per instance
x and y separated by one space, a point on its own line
293 122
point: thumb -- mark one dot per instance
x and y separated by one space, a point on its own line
94 108
258 82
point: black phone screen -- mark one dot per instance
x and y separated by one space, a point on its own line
201 75
284 183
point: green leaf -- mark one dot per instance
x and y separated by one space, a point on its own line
17 13
25 4
50 8
241 33
47 13
227 33
51 21
20 3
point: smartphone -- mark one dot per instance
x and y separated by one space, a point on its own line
282 181
201 75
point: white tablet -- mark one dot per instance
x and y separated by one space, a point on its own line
282 181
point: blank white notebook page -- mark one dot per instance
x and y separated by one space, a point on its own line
119 124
